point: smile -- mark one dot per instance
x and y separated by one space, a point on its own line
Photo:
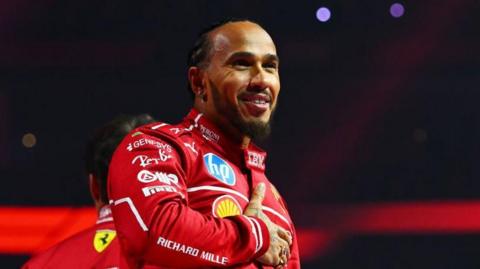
256 104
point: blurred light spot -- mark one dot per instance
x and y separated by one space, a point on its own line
419 135
29 140
323 14
397 10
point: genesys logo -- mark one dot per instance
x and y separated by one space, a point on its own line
219 169
146 176
145 141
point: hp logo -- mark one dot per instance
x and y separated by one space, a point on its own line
219 169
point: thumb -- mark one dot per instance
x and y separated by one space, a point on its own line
257 198
258 195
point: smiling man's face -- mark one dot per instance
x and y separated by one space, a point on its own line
242 80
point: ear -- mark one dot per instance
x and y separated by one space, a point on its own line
94 190
196 80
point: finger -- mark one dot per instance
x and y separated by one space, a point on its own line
285 235
257 197
285 254
276 260
258 194
283 249
281 262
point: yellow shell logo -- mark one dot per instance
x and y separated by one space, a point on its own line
102 239
226 206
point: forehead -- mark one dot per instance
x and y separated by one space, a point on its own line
241 36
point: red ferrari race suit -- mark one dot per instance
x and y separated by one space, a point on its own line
178 194
96 247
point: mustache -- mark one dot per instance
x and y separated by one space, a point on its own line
250 90
256 90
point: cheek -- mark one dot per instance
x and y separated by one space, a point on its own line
275 84
234 85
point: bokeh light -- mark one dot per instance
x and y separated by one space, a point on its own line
323 14
397 10
29 140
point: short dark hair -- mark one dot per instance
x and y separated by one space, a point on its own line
199 54
102 144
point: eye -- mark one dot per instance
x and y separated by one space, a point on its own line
271 66
241 63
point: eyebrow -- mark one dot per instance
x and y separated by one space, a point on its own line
245 54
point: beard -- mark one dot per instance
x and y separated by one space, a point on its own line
254 129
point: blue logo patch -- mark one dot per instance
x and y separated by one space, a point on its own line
219 168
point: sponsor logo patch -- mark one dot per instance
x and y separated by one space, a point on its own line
209 134
195 252
102 239
226 206
219 169
144 160
146 176
145 141
151 190
256 159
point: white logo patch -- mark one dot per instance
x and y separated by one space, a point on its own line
145 141
219 169
146 176
151 190
256 159
145 160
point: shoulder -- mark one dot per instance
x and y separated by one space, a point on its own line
156 134
68 250
158 143
172 138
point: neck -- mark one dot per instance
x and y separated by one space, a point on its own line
231 131
245 142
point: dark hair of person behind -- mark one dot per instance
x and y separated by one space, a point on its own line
102 144
199 54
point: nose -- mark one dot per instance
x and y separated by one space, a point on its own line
260 80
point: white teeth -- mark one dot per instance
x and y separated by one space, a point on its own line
259 102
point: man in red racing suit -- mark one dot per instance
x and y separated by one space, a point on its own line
98 246
180 193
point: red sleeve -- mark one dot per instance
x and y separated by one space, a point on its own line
147 185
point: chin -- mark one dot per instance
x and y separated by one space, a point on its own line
263 118
259 120
254 127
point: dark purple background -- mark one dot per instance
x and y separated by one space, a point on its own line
372 108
